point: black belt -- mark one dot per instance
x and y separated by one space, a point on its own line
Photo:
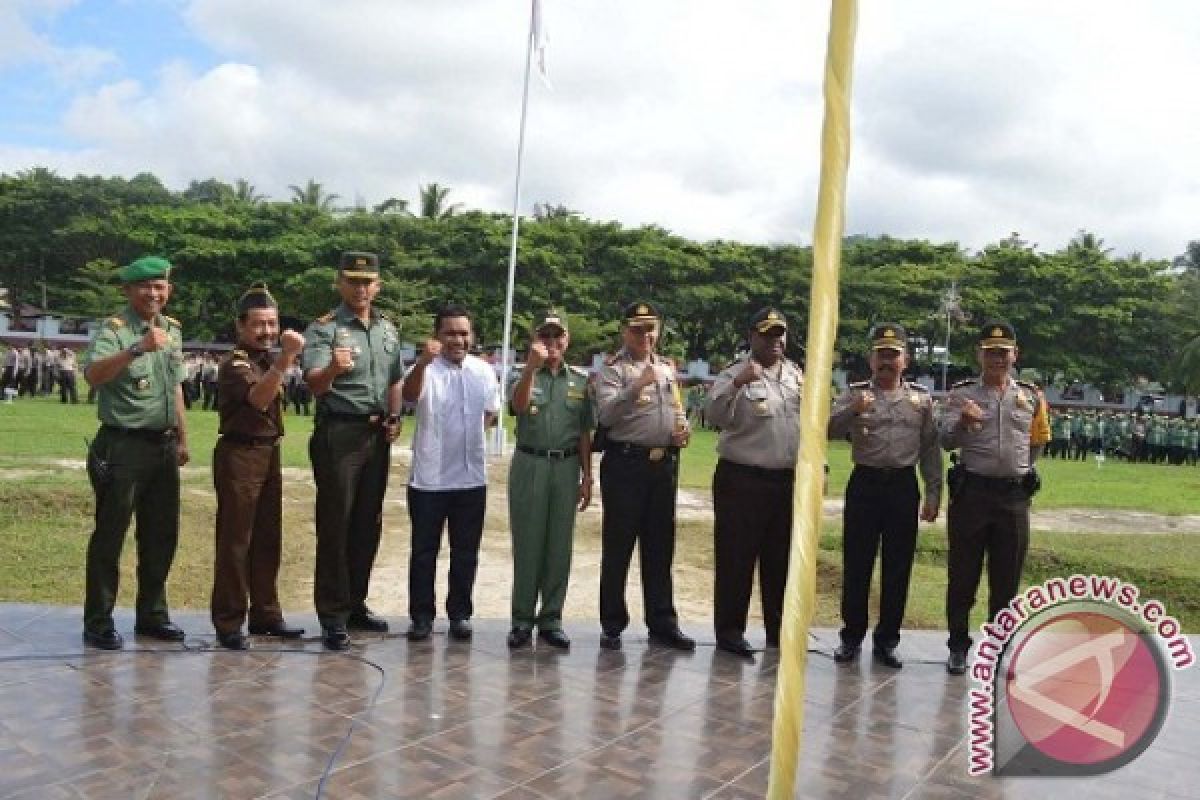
994 482
767 473
338 416
883 473
638 451
149 434
551 454
241 438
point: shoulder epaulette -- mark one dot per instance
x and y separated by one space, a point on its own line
917 387
1033 387
172 320
116 322
578 370
328 318
614 358
967 382
858 385
239 354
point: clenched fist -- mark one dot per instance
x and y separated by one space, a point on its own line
155 339
537 355
649 377
863 401
750 373
291 343
431 350
343 359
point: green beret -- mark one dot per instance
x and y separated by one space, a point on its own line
146 268
257 296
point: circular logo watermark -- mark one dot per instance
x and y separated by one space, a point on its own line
1087 688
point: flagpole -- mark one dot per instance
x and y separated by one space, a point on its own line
498 442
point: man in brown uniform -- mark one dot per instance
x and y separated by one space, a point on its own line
637 397
756 405
247 475
989 420
891 428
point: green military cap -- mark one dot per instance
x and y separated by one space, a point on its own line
997 334
145 268
889 336
767 319
257 296
355 264
640 313
551 319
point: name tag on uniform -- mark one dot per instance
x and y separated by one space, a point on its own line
574 394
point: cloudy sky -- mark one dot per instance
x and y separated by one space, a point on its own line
971 119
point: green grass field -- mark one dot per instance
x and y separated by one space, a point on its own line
45 518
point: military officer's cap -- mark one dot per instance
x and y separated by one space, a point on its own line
146 268
640 314
997 334
355 264
889 336
767 319
551 319
257 296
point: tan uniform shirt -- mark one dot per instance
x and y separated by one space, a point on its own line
645 417
236 376
999 444
759 422
898 430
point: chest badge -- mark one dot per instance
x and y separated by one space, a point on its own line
142 384
533 411
1022 401
915 399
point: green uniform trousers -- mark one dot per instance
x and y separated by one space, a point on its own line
543 494
132 472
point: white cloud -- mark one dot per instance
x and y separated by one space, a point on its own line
971 119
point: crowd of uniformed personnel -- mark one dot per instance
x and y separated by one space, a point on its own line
633 412
1139 437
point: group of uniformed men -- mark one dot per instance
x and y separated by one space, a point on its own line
350 360
1150 438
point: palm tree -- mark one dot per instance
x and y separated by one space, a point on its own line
1187 367
245 192
392 205
433 201
312 194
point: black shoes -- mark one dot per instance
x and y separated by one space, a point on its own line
610 641
104 640
280 629
419 630
555 638
674 638
956 664
886 656
738 647
335 638
845 653
164 632
365 620
519 637
460 629
233 641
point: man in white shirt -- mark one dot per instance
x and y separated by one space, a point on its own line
457 398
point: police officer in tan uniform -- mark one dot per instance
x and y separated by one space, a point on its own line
637 398
989 420
247 475
891 428
755 403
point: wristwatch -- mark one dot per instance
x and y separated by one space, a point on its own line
135 349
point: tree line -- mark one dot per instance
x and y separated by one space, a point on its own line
1081 312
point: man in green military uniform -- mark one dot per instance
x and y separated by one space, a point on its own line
352 365
135 363
550 476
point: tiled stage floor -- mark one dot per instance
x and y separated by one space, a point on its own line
456 720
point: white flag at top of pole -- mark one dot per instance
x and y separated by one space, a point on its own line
541 38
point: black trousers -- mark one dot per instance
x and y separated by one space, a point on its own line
639 508
460 511
984 520
753 527
66 387
880 514
350 467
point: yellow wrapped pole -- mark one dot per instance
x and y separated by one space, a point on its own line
801 596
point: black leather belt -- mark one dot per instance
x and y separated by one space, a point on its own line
241 438
364 419
766 473
994 482
638 451
883 473
551 454
149 434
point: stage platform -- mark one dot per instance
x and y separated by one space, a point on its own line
445 719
